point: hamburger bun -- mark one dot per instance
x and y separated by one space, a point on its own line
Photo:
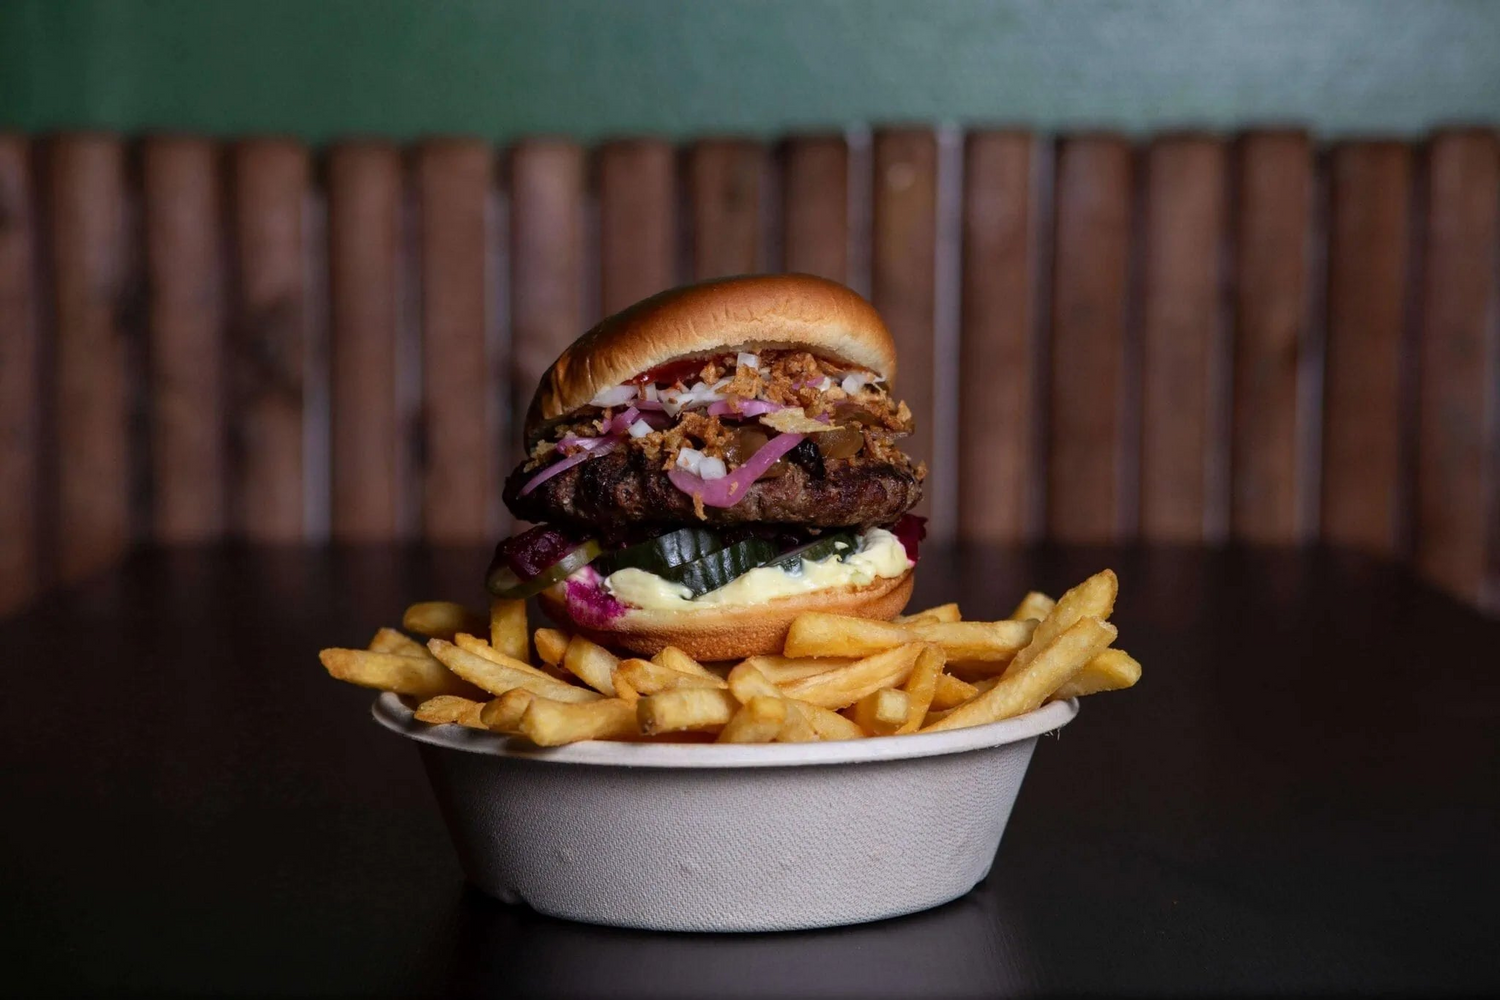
793 311
732 632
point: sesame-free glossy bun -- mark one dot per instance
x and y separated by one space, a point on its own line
729 314
732 632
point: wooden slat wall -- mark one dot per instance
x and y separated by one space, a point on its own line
1161 339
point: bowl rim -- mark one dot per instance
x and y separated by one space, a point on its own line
389 712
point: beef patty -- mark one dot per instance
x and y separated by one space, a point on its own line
624 488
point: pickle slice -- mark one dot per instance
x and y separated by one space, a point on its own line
662 553
504 583
718 568
816 550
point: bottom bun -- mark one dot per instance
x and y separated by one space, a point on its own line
731 632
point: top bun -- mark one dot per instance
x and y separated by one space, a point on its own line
729 314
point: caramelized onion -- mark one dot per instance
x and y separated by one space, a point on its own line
842 443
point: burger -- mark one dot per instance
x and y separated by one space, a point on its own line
711 462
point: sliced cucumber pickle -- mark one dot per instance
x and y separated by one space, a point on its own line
504 583
659 554
838 543
718 568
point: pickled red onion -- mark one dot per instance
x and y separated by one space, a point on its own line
560 467
732 488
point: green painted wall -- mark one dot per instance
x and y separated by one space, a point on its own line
591 68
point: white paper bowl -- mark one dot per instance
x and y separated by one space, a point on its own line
704 837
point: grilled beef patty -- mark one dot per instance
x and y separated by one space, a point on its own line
624 488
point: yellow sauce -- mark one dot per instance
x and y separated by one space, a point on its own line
878 554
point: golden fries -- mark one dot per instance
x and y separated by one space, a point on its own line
549 723
447 708
756 721
685 708
388 640
508 629
418 676
836 678
843 687
591 663
503 714
1025 690
882 712
941 613
1111 670
1035 605
443 620
920 687
498 677
551 645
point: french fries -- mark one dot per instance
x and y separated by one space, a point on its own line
881 713
498 677
447 708
418 676
443 620
591 663
508 628
549 723
836 678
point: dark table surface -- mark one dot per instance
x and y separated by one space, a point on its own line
1302 795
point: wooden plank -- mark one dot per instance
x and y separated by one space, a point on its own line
89 263
184 261
1088 338
1272 222
815 206
1184 235
1455 448
546 264
20 386
904 271
725 191
637 221
1369 240
998 369
364 199
269 337
459 477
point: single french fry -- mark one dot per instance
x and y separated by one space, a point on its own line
652 678
846 685
503 714
508 629
785 669
950 691
443 620
1111 670
498 677
817 633
1026 689
985 642
828 724
446 708
625 690
685 708
591 663
388 640
1035 605
941 613
549 723
678 660
417 676
477 646
551 644
756 721
921 686
796 728
1093 598
882 712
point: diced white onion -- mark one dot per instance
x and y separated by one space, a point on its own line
640 429
712 468
649 391
615 395
825 383
853 383
747 360
690 459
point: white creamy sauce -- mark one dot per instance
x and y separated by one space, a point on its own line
879 554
